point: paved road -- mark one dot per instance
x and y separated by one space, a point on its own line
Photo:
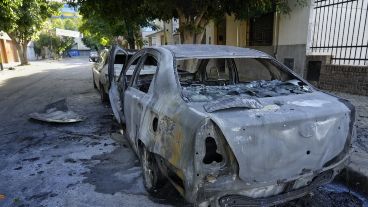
83 164
62 165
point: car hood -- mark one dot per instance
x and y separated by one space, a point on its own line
286 137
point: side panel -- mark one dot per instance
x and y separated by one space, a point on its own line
133 107
116 103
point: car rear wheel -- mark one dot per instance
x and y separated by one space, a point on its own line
103 94
152 177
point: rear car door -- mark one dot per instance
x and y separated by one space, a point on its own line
138 95
118 86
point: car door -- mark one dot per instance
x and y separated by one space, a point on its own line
111 67
95 70
117 88
138 95
98 68
103 72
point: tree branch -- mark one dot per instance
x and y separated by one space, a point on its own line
198 19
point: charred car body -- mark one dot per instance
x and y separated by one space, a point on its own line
230 126
109 62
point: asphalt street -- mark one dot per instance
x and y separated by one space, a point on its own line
87 163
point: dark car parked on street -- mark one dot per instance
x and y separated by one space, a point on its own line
93 56
112 61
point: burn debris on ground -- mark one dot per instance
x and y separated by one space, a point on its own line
260 89
57 112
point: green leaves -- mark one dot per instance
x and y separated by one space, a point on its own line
22 19
8 14
124 17
56 44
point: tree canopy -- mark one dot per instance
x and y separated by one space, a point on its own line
22 19
193 15
111 18
48 39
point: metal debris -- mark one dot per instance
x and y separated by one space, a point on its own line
260 89
233 102
57 112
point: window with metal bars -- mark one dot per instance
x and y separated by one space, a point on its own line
340 29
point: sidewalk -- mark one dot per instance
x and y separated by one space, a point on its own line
9 65
357 171
31 62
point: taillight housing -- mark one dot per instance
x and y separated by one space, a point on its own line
213 155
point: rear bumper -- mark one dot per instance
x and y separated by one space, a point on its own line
238 198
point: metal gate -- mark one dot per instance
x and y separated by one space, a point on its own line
340 28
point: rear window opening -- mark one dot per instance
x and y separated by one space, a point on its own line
215 78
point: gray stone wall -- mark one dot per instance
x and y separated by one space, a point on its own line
345 78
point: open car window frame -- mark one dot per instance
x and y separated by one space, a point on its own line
139 68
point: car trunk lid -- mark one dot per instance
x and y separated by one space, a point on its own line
289 136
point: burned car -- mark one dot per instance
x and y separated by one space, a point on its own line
109 65
230 126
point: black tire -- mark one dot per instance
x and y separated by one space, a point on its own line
104 96
153 179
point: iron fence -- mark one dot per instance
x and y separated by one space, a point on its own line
339 29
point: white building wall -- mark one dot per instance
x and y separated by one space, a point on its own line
293 27
291 36
31 55
80 44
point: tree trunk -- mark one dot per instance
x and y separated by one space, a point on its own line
189 36
24 59
22 51
199 37
131 42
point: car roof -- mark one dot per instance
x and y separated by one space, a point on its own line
128 51
187 51
131 51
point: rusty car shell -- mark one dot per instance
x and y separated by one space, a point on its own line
272 148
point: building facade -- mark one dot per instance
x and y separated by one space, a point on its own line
282 36
8 51
323 41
